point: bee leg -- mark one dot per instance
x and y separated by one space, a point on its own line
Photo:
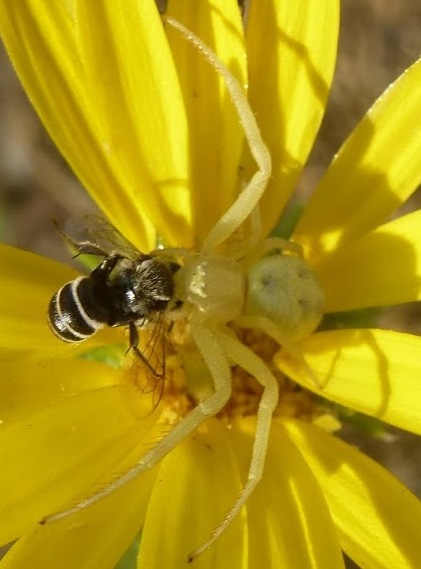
133 337
103 271
134 345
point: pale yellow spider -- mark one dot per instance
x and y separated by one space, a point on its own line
263 284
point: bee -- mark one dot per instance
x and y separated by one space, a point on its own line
128 288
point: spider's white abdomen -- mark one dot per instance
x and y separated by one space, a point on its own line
215 284
285 290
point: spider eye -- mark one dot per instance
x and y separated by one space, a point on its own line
284 289
215 284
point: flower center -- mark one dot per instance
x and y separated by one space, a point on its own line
189 382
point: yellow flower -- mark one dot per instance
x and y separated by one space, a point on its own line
148 127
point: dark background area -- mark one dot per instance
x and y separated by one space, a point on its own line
379 39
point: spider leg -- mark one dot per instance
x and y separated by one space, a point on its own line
278 243
252 193
245 358
207 342
292 348
241 251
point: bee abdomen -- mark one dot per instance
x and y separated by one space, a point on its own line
74 314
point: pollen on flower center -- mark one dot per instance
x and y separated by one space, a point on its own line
189 382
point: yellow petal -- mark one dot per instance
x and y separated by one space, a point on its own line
198 482
29 385
94 538
374 173
216 134
134 88
291 49
381 268
49 63
27 284
372 371
50 70
289 522
377 518
59 454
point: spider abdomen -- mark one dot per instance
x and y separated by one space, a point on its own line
285 290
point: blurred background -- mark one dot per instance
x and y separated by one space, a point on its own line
379 39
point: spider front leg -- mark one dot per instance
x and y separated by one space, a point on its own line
252 193
207 341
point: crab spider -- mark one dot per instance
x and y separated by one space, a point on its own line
263 284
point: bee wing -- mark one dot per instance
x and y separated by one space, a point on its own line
93 235
150 367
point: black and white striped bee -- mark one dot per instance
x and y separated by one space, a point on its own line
128 288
